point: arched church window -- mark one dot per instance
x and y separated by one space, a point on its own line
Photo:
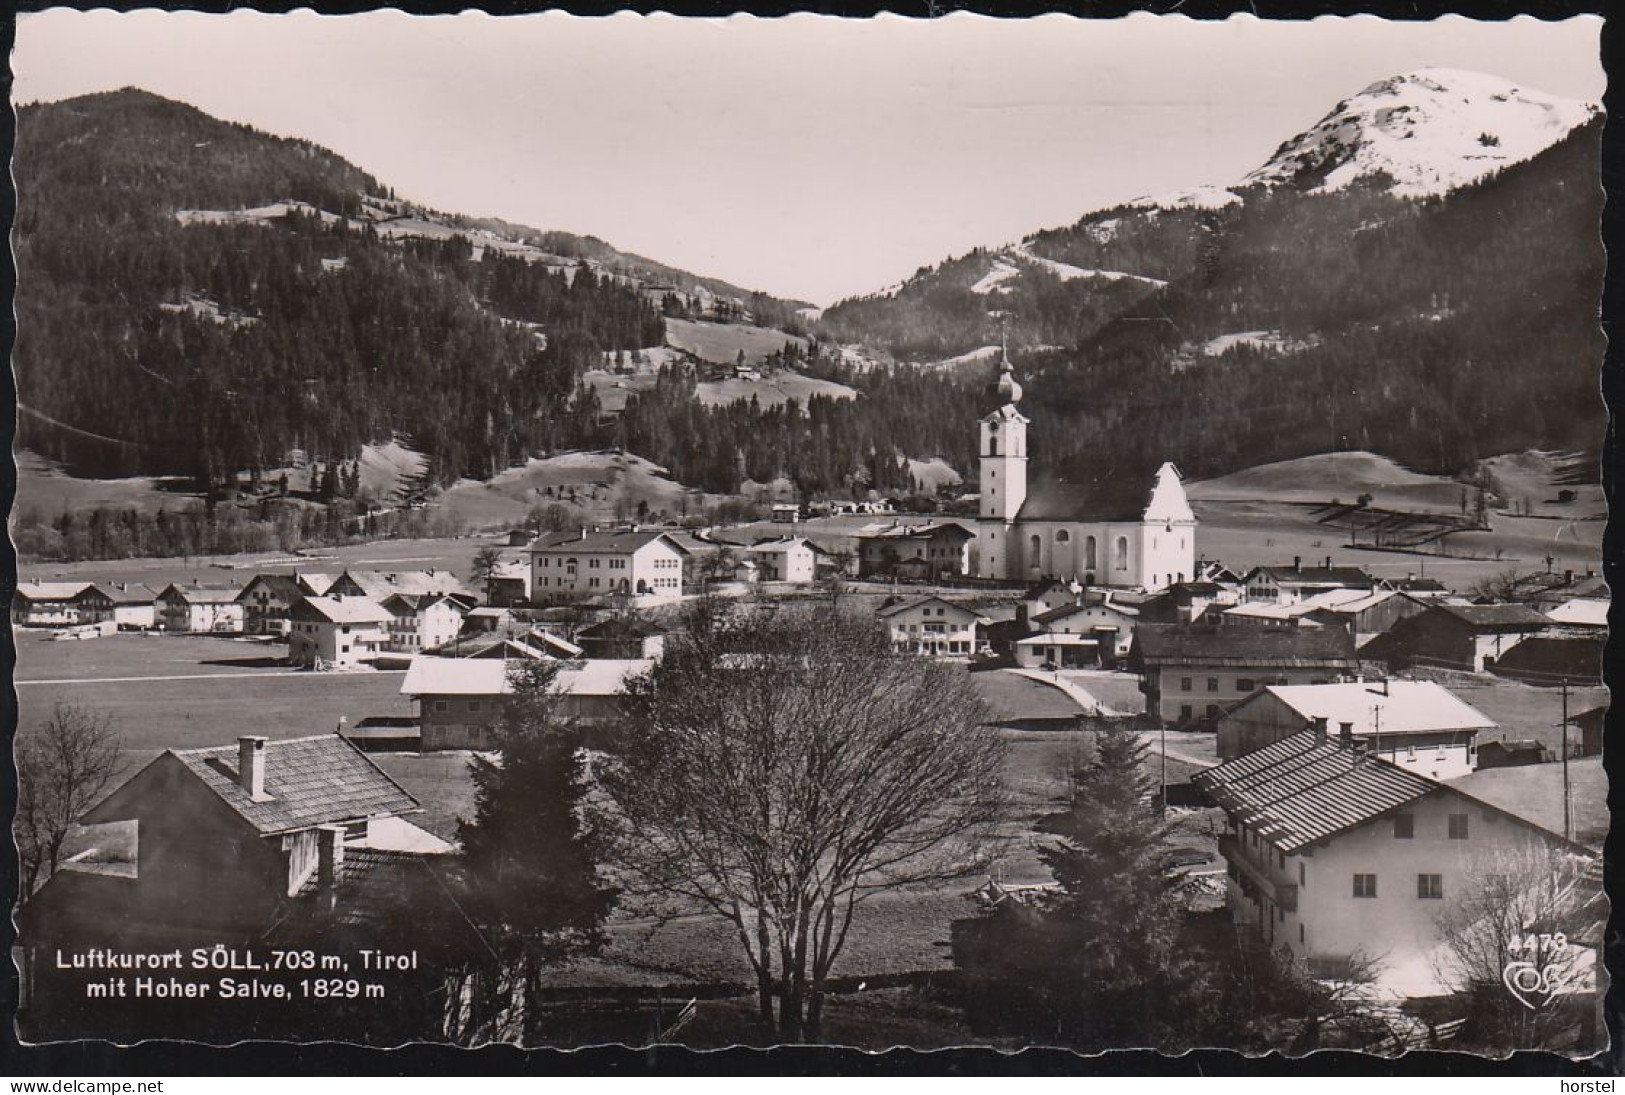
1089 560
1038 546
992 445
1062 536
1122 553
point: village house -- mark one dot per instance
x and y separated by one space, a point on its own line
535 644
924 552
589 563
315 583
787 559
1512 753
375 585
1337 856
1456 636
508 584
420 622
1366 617
266 600
46 604
196 608
127 605
336 632
458 698
225 834
933 626
1046 596
1199 672
622 637
1416 725
1123 527
1574 656
788 513
229 843
1106 624
1289 585
1590 723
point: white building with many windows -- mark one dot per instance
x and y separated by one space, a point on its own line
1123 527
933 626
590 563
1335 855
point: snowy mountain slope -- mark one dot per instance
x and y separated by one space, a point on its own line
1427 133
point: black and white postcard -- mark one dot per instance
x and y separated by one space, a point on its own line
856 532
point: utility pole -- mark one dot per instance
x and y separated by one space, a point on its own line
1163 807
1568 825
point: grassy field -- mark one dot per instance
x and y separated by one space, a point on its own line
721 343
453 554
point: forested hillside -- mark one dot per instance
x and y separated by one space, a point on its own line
154 339
1436 331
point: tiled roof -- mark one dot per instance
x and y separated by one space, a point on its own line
379 584
200 595
1352 577
1389 707
341 610
310 781
617 627
916 602
1303 789
315 581
1064 611
1496 617
132 594
1103 494
50 591
613 541
285 586
1260 647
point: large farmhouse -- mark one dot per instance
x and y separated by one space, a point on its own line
1128 528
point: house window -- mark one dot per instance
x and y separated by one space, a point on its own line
1213 711
1213 684
1404 826
1365 885
1302 880
1184 712
1300 933
1062 536
441 706
1185 684
1458 826
1430 887
1244 684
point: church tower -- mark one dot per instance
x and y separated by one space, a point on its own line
1003 452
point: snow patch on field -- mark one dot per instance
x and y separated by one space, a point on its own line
995 278
1266 341
385 469
1197 197
933 474
201 307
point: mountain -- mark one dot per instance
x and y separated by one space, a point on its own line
1422 135
197 297
1417 275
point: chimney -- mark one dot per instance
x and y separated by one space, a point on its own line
1297 562
251 766
1328 562
329 856
1345 733
1320 729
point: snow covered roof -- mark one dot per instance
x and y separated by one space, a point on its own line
50 591
428 676
342 610
1581 612
1391 707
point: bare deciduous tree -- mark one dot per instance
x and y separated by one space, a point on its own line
1508 942
64 766
784 767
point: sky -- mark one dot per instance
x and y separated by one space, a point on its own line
809 157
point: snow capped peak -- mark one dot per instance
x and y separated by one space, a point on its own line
1429 132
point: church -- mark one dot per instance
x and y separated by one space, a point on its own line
1127 530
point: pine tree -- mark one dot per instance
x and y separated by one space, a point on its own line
531 851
